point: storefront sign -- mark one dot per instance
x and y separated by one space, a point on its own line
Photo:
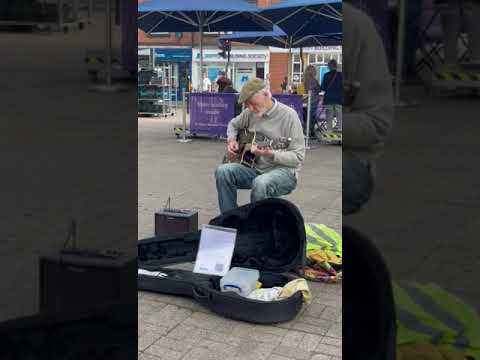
235 56
173 54
210 113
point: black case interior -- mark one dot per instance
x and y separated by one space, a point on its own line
270 238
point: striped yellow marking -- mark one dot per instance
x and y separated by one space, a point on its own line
458 76
448 76
332 136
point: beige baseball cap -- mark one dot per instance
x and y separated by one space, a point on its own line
250 88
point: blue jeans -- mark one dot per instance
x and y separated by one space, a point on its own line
357 184
313 118
233 176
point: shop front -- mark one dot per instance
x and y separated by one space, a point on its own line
245 64
145 59
173 66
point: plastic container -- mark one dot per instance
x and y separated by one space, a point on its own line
240 280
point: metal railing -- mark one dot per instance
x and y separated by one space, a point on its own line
184 118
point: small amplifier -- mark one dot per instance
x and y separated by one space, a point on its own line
83 280
173 221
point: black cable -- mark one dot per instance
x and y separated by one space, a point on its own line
71 235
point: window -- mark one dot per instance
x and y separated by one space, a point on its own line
324 57
144 61
296 69
166 34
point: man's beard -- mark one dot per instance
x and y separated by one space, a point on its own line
261 112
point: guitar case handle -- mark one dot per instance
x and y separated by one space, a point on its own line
202 298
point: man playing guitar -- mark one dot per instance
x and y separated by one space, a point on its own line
276 171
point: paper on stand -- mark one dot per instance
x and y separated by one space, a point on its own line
215 250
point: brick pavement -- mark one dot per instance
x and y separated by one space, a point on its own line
173 328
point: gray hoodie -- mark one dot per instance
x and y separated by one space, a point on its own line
280 121
368 120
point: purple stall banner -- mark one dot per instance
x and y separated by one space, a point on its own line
210 113
294 101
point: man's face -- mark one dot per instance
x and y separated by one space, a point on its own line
257 104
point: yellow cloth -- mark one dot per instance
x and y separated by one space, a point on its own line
427 352
322 256
301 89
293 287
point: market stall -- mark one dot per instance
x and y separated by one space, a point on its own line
211 112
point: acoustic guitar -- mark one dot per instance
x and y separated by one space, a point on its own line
246 139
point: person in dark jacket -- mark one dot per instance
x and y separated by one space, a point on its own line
220 81
227 88
332 85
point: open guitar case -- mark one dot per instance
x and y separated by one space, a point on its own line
270 238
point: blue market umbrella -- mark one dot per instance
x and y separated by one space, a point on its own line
306 17
303 18
191 15
199 16
278 38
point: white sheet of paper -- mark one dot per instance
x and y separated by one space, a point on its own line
215 250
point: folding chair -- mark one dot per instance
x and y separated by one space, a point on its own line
321 126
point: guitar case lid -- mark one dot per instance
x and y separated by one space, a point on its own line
270 237
368 302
